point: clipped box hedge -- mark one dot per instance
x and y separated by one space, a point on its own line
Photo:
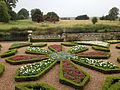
38 45
47 40
9 53
118 59
100 69
34 86
71 83
56 49
69 44
112 83
24 61
32 77
2 69
113 41
101 48
19 45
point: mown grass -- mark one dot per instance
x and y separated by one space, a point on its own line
28 24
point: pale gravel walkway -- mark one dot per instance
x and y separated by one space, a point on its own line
7 81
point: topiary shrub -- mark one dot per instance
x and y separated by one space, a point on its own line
2 68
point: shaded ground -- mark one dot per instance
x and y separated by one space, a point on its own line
7 81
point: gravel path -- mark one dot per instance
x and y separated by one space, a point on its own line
7 81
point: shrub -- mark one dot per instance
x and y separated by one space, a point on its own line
18 45
94 20
82 17
69 44
38 45
55 48
101 48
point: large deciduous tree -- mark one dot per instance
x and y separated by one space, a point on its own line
37 15
113 13
23 14
51 17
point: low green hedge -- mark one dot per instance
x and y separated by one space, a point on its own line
113 41
38 45
23 61
80 85
2 68
69 44
101 48
9 53
34 86
112 83
118 46
47 40
52 49
18 45
105 71
33 77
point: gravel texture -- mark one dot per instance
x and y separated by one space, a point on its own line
7 81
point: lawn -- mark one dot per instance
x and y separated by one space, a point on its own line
7 80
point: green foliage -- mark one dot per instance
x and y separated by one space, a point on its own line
51 17
9 53
38 45
68 44
13 15
11 3
4 15
82 17
2 69
112 83
38 86
23 14
37 15
113 13
94 20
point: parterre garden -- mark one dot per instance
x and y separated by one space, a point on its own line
60 65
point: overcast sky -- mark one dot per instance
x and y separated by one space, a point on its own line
70 8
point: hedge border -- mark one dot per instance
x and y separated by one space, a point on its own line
69 44
118 59
105 71
71 83
99 48
33 77
47 40
113 41
6 54
24 86
97 57
108 83
23 61
2 69
38 45
15 47
91 44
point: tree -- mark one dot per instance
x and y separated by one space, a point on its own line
94 20
11 3
37 15
51 17
24 13
13 15
113 13
82 17
4 16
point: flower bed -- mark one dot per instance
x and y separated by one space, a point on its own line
106 49
94 54
34 71
2 68
38 45
118 46
34 86
71 75
37 50
112 83
9 53
68 44
96 43
55 48
22 59
77 49
18 45
102 66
